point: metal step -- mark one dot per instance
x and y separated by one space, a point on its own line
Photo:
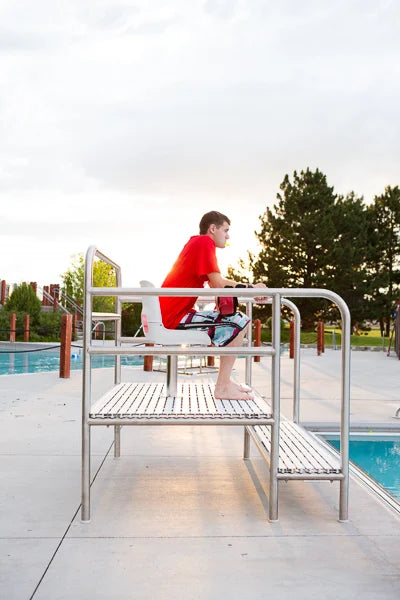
301 454
147 403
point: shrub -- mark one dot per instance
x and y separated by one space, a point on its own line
131 318
49 327
46 328
24 300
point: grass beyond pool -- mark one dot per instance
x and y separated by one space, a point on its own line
333 337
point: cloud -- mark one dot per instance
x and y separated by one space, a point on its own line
116 116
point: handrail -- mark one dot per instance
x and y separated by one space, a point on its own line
296 366
91 254
71 302
52 299
278 295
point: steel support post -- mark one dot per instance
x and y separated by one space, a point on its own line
246 444
249 335
118 326
85 511
172 375
117 441
248 373
296 356
275 394
86 387
345 412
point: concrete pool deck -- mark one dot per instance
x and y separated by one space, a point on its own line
180 514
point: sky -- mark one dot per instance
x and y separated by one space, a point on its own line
123 122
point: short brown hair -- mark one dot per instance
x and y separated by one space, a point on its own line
212 218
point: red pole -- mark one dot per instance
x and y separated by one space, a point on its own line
65 347
55 304
74 323
45 301
26 328
3 291
323 336
148 361
33 285
257 337
13 326
210 361
291 339
320 338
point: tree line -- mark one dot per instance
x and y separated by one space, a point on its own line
315 238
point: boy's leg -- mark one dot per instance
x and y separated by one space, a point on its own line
225 388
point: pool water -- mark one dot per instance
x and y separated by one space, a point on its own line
49 360
378 457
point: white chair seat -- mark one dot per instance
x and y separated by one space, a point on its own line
158 334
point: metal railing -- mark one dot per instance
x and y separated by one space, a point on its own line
52 299
278 296
70 303
296 370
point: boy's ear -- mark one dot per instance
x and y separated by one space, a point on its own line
212 228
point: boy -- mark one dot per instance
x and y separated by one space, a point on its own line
195 265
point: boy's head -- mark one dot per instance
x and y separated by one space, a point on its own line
212 218
215 225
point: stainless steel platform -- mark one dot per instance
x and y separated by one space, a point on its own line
148 403
194 404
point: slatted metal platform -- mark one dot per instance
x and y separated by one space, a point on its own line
147 404
301 454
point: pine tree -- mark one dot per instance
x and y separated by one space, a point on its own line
384 264
297 239
349 255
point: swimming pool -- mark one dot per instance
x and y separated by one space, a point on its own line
49 360
379 456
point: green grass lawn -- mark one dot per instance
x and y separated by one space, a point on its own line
368 338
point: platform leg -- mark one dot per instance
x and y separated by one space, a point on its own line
85 511
275 394
172 375
273 480
344 501
246 444
117 441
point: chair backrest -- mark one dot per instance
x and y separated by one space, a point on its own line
156 332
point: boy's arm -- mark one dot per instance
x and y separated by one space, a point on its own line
217 281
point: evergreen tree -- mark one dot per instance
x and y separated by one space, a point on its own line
384 255
24 300
297 239
349 255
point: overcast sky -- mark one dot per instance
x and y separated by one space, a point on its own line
122 122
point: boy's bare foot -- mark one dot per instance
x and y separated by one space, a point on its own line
243 387
232 391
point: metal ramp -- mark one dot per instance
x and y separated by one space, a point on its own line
301 454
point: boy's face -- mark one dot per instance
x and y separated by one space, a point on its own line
220 235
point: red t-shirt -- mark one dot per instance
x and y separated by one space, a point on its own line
190 270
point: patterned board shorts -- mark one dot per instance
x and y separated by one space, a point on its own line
222 330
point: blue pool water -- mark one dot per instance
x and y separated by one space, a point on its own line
378 457
49 360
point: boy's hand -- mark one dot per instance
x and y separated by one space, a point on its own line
261 298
